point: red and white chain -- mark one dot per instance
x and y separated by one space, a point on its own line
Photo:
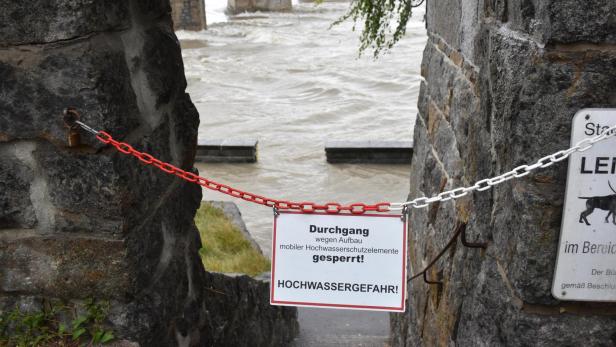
356 208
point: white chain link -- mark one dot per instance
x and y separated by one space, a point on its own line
87 128
518 172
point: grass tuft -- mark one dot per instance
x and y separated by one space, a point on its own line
224 248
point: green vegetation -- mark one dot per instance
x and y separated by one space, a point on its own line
378 18
56 325
224 247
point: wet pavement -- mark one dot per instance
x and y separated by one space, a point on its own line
337 328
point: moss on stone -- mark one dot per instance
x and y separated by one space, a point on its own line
224 247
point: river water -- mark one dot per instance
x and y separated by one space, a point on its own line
292 82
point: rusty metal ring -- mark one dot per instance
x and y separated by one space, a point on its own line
71 115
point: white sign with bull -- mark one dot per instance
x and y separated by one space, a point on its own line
586 263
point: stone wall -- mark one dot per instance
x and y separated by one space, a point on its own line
188 14
88 222
242 303
503 79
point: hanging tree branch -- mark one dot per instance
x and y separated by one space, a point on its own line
384 22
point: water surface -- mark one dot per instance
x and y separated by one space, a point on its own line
293 83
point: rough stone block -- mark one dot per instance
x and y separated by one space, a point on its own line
163 66
90 75
151 9
439 64
64 267
82 191
595 21
16 209
257 325
565 21
52 21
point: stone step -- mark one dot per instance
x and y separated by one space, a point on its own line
369 152
227 150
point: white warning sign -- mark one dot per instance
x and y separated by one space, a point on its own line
339 261
586 263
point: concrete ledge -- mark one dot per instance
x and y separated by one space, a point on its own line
239 6
227 150
369 152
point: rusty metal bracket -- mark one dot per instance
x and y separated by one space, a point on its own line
460 228
70 117
482 245
425 278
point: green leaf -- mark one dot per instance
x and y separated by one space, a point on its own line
34 321
77 322
78 332
61 328
96 338
37 341
107 336
384 22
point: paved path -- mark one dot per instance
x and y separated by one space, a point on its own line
337 328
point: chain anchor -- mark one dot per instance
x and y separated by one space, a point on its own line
70 117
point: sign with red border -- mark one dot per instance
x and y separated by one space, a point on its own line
339 261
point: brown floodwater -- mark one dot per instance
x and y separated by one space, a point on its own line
292 82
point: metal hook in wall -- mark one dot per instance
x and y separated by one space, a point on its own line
425 278
482 245
460 228
70 117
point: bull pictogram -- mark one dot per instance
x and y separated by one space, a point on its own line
606 203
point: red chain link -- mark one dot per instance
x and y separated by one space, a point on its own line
305 206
